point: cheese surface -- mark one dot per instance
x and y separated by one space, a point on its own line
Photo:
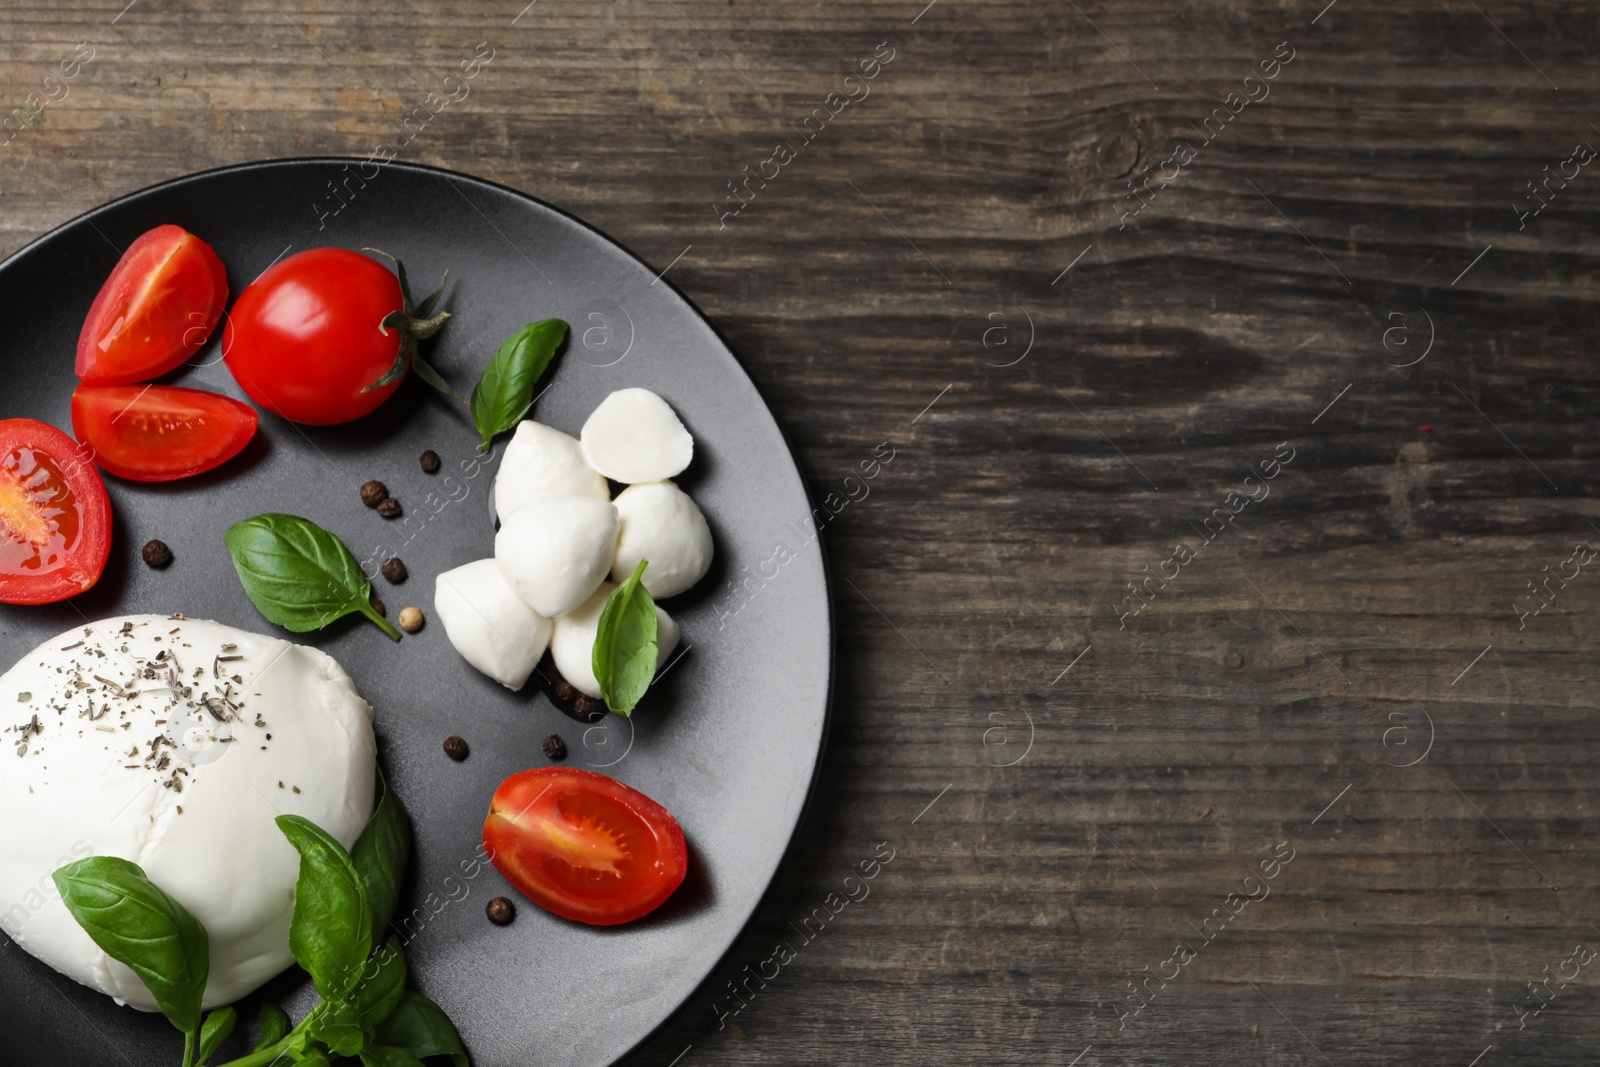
174 743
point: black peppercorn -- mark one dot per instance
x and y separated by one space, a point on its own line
555 748
430 462
380 607
394 570
565 694
373 494
501 911
588 708
157 554
389 508
455 748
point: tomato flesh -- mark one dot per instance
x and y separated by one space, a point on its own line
156 310
305 339
159 433
584 846
55 517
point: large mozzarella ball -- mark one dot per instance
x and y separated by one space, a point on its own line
554 550
148 749
572 644
658 522
634 436
489 624
543 461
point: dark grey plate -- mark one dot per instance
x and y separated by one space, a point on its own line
729 740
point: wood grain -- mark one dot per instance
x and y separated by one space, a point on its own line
904 280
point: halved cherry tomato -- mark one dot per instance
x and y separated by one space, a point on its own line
584 846
156 310
159 433
304 340
55 518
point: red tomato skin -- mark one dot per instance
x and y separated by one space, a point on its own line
92 507
516 853
160 433
304 340
170 282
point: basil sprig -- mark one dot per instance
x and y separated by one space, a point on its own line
331 931
274 1024
624 657
342 903
299 575
135 922
381 853
382 985
214 1031
421 1027
505 392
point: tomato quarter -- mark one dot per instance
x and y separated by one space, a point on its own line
55 517
308 338
584 846
159 433
156 310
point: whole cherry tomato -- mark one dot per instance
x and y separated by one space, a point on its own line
325 336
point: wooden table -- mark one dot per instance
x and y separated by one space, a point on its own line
1097 670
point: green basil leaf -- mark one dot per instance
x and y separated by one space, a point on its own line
330 933
312 1057
388 1056
137 924
504 394
381 985
625 644
214 1031
339 1027
299 575
275 1025
381 854
421 1027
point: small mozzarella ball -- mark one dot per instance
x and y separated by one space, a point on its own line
572 644
660 523
489 624
543 461
633 436
555 550
667 637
